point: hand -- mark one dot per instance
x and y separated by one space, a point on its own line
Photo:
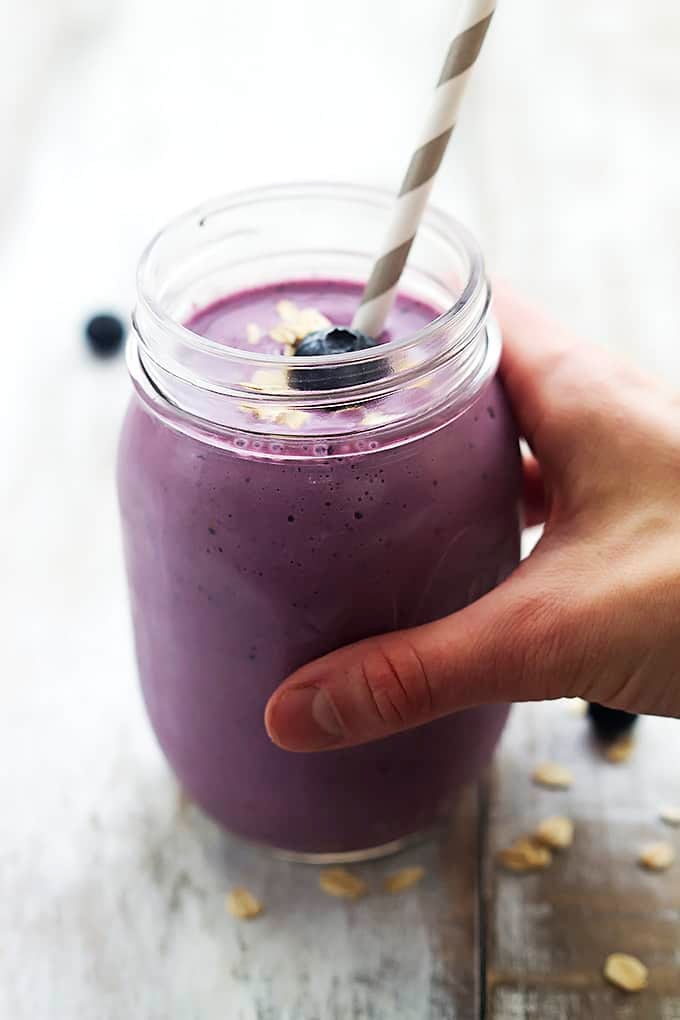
593 612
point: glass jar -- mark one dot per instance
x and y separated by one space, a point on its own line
265 526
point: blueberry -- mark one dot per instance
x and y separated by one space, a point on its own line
336 340
104 334
610 723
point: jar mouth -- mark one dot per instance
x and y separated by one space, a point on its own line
304 232
459 322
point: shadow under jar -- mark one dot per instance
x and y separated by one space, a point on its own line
267 523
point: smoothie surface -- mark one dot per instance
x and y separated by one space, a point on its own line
270 319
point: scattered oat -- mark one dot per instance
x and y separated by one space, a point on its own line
271 413
670 815
242 904
620 751
374 418
552 775
249 409
556 832
269 379
341 883
626 972
287 310
398 881
276 414
292 419
253 332
297 323
525 855
284 334
309 321
656 856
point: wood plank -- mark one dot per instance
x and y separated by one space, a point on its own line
134 923
549 933
412 956
112 906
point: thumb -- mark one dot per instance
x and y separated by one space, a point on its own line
485 653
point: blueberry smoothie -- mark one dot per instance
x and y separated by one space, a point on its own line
247 560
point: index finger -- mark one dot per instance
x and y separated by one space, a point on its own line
536 351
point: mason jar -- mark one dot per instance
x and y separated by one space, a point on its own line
266 524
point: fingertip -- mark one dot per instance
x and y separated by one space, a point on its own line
302 719
270 721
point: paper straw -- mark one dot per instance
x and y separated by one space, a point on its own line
381 288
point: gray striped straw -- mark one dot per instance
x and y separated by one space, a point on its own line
381 288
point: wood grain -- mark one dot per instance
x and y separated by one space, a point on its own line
566 165
412 955
549 933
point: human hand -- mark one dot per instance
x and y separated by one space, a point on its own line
593 612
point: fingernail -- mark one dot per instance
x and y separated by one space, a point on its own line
303 719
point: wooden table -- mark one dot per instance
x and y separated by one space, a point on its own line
472 941
546 936
131 922
113 117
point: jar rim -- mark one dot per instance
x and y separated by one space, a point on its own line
474 295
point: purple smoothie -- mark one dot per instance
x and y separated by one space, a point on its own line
242 569
227 320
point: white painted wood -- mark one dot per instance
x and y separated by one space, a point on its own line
113 116
548 934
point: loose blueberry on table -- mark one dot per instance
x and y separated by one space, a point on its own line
104 334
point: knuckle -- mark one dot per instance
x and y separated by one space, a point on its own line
397 684
533 647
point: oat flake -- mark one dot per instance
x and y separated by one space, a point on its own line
372 418
556 832
293 419
656 856
626 972
525 855
283 334
341 883
552 775
398 881
309 321
268 379
297 323
287 310
253 332
242 904
277 415
670 815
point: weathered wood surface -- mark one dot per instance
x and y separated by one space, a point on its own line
548 934
130 919
411 955
113 116
132 923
